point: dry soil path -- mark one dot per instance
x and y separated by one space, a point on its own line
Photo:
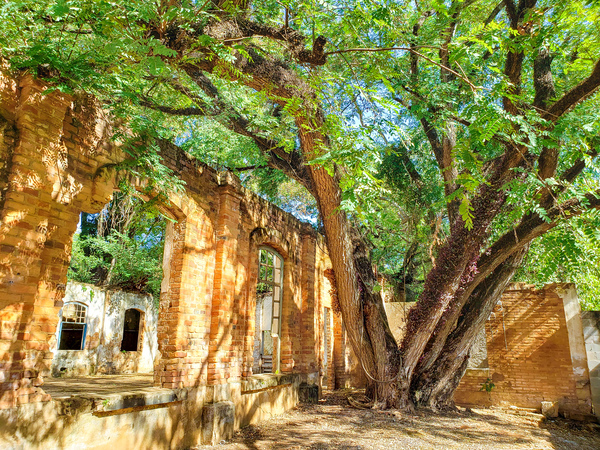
333 424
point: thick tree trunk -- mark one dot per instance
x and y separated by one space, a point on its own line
387 387
362 308
434 386
452 275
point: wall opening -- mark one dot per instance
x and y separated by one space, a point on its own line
269 291
122 246
72 327
131 330
115 275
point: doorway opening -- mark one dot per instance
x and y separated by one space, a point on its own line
269 291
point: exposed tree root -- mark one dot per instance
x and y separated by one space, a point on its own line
361 402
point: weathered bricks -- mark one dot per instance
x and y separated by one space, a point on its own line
58 164
530 350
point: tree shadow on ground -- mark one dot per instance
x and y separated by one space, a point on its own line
333 424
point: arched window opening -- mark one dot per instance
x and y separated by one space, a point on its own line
269 291
131 331
73 327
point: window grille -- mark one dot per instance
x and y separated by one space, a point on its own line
73 327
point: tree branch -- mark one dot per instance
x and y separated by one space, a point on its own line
190 111
542 78
531 227
380 49
584 89
513 66
229 31
494 13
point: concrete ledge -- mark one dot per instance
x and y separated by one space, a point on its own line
81 403
477 372
122 401
134 409
258 383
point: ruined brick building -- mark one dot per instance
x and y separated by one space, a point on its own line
245 323
56 161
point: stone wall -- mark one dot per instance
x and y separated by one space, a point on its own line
104 333
535 353
397 313
591 334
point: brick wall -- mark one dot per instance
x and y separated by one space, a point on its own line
45 184
57 161
535 352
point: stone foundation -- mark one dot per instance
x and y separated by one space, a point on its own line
166 419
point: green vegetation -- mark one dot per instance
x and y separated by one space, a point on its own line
568 254
121 247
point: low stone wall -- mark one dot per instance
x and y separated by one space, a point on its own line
167 419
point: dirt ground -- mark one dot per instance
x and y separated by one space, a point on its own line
333 424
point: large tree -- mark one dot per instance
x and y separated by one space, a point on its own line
503 92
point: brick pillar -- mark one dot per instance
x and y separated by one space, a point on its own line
184 313
222 362
291 315
37 222
308 326
339 361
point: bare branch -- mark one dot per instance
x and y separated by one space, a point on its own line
246 168
494 13
380 49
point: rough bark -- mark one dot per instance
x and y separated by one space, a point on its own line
433 386
362 307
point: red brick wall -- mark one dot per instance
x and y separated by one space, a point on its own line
56 163
531 354
46 183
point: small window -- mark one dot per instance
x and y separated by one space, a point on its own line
131 331
72 327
